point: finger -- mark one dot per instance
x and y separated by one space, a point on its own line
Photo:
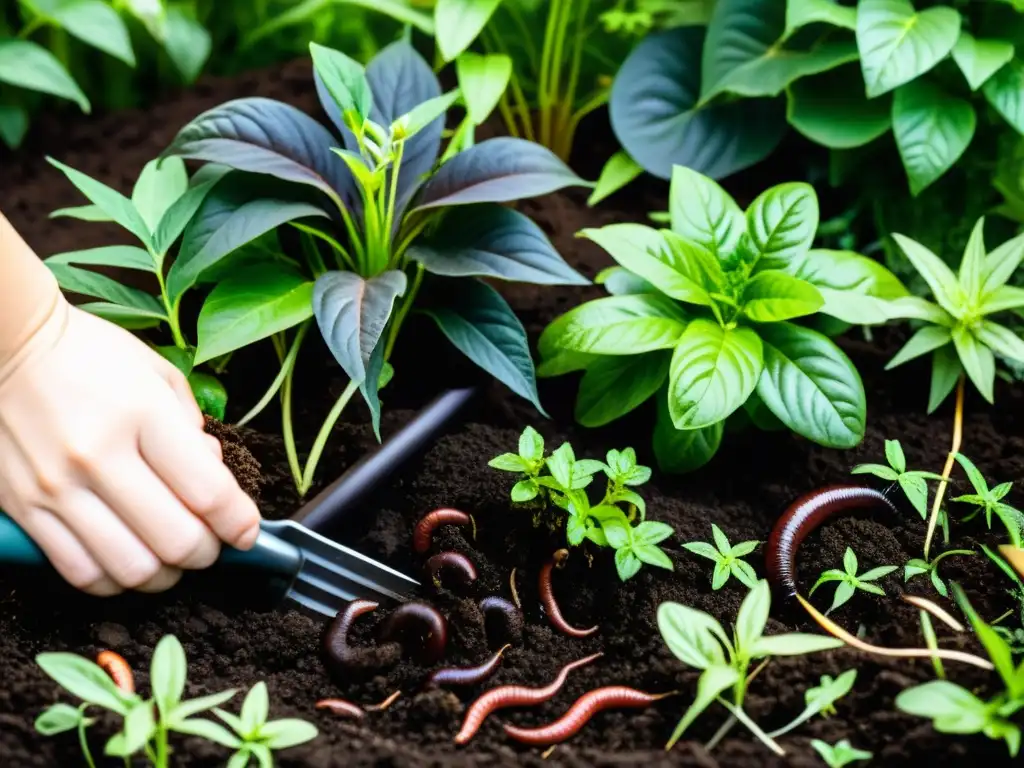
179 454
155 514
67 554
183 391
215 446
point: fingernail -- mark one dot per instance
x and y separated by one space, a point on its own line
247 539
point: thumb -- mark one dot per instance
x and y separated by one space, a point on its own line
183 392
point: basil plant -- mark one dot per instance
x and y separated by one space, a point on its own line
385 223
701 316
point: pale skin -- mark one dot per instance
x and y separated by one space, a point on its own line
103 458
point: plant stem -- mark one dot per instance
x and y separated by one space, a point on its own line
84 743
940 492
321 439
287 431
740 715
287 365
932 643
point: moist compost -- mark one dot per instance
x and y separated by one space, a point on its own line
233 641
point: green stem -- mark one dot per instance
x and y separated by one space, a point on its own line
338 247
932 643
287 366
84 743
403 311
389 218
172 312
321 439
740 715
544 76
162 755
558 58
36 23
287 432
939 557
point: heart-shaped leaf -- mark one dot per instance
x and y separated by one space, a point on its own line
740 33
704 213
458 22
1005 91
980 58
932 130
782 222
615 385
831 109
776 70
616 325
482 80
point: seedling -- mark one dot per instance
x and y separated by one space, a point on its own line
821 699
839 754
913 483
149 722
990 501
617 521
1013 636
916 567
699 641
372 210
850 582
726 558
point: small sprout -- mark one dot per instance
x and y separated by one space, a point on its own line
258 738
839 754
821 699
990 500
529 461
914 483
916 567
850 581
726 558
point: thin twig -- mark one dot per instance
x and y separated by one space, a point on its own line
935 610
515 594
940 492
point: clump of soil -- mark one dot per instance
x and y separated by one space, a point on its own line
237 457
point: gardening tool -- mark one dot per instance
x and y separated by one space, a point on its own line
314 574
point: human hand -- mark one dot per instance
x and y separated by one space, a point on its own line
105 463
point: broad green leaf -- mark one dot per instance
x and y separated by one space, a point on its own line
1005 91
58 718
713 371
946 370
25 64
139 727
740 35
898 44
251 306
793 644
800 13
560 362
187 42
942 700
712 682
116 205
773 295
616 325
1001 340
979 59
159 185
482 80
290 732
977 359
844 591
932 131
423 114
97 24
652 532
255 708
619 171
524 490
720 575
345 80
832 110
652 555
916 490
531 445
14 120
683 450
782 222
619 281
812 386
169 670
208 730
753 616
775 70
850 561
86 680
615 385
704 213
925 340
940 278
1001 263
854 288
693 636
458 22
123 256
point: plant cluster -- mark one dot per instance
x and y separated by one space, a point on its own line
617 521
850 581
148 723
727 558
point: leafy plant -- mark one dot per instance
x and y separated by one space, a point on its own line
821 699
914 483
839 754
726 558
258 738
161 204
699 641
916 567
149 722
850 581
617 521
701 316
375 224
990 501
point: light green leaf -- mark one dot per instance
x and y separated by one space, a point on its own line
916 490
683 450
744 572
619 171
423 114
187 43
124 256
831 109
1000 265
977 359
704 213
703 549
255 708
778 68
652 532
844 591
800 13
944 701
713 372
854 288
652 555
615 325
793 644
898 44
932 131
116 205
345 80
168 672
531 445
712 682
753 616
895 456
200 704
878 470
876 573
129 318
782 222
458 22
771 296
693 636
482 80
97 24
1002 299
209 730
720 575
179 214
86 680
720 539
58 718
850 561
946 370
925 340
139 727
24 64
940 278
1001 340
979 59
1005 91
159 185
82 213
524 491
617 384
290 732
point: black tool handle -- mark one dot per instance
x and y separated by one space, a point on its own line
327 511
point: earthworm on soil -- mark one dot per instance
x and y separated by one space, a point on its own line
341 707
423 533
515 593
803 516
466 675
386 703
510 615
457 563
547 597
423 620
344 656
514 696
585 707
118 669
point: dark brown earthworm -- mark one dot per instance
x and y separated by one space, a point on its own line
341 707
460 566
510 615
514 696
547 597
118 669
803 516
585 707
422 621
466 675
341 655
424 531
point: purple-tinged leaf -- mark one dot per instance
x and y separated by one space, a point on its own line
497 171
268 137
352 313
494 241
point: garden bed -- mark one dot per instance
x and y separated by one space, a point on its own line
754 477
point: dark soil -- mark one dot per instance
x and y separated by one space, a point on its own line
231 643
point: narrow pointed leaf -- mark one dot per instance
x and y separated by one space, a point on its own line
925 340
977 359
116 205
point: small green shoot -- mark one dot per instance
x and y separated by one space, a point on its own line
916 567
839 754
257 737
1015 636
913 483
726 558
990 500
821 699
850 581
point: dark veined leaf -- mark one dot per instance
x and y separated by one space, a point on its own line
655 116
704 213
741 33
980 58
25 64
615 325
782 222
352 313
812 386
497 171
1005 91
832 110
481 325
683 450
493 241
617 384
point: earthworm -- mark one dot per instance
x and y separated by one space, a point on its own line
456 562
118 669
341 707
386 703
585 707
514 696
431 625
342 655
547 597
803 516
509 613
467 675
935 610
515 592
423 533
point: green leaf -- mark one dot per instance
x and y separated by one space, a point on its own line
619 171
345 80
130 318
187 43
179 214
712 682
973 474
423 114
744 572
720 575
24 64
977 359
482 80
979 59
1001 340
940 278
124 256
850 561
946 370
782 222
778 68
932 131
531 445
916 490
1000 265
720 539
800 13
878 470
1002 299
58 718
752 616
616 385
97 24
168 672
704 213
832 574
877 573
694 637
652 555
793 644
713 371
116 205
772 295
956 709
139 727
898 44
86 680
615 325
1004 92
253 305
831 109
703 549
458 22
652 532
509 462
14 121
210 394
855 288
255 708
290 732
209 730
895 456
925 340
812 386
844 591
82 213
681 451
200 704
159 185
524 491
741 34
234 721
